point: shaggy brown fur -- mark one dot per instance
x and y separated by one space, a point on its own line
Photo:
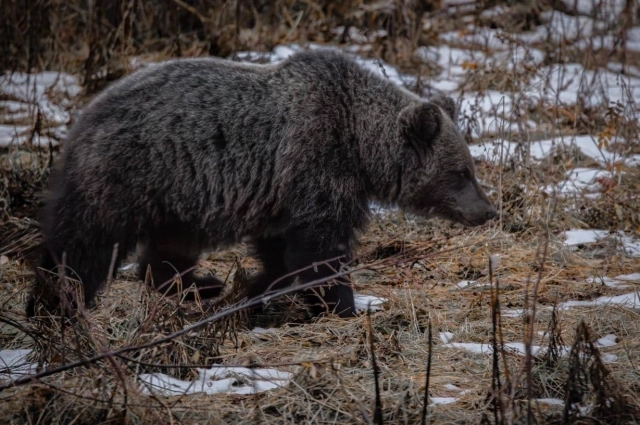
193 154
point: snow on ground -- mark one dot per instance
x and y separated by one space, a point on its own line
49 95
464 284
607 341
227 380
515 347
610 9
14 364
631 300
442 400
500 149
364 302
519 348
579 237
622 281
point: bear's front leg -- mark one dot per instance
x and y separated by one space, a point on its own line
305 248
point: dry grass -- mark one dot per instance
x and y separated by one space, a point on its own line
332 358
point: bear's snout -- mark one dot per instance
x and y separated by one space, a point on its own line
472 207
479 215
491 214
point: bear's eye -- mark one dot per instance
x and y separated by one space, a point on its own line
464 174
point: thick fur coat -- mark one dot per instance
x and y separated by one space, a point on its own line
193 154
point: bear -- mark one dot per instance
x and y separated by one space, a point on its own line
194 154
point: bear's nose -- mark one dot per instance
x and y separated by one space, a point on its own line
492 213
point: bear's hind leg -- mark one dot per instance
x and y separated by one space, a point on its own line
171 251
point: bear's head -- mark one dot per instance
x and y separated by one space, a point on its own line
438 174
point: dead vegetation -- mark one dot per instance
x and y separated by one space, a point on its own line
369 370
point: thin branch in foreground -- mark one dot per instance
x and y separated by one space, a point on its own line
496 385
425 403
377 414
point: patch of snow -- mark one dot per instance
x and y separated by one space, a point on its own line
632 277
466 283
39 88
610 282
618 281
551 401
607 341
282 52
514 312
604 9
427 53
609 358
259 330
34 139
517 57
452 387
364 302
13 364
633 39
580 179
628 300
568 83
127 267
446 337
492 12
442 400
582 237
449 56
516 347
495 150
628 244
228 380
8 133
254 56
564 28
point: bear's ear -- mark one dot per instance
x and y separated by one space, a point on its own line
420 126
448 105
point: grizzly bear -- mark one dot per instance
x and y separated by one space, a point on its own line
195 154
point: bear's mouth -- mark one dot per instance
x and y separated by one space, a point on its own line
458 217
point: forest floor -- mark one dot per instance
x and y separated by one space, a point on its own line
532 318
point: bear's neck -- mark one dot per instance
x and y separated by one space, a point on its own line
376 112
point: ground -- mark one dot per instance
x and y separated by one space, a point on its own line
536 313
